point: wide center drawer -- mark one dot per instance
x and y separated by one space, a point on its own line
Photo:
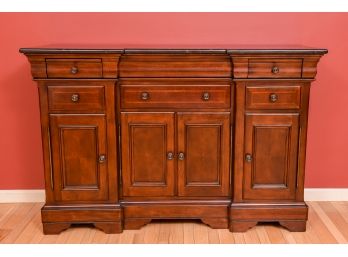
175 96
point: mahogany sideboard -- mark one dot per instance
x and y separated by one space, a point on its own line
132 135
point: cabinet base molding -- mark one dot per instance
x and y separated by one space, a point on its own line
213 214
58 218
244 216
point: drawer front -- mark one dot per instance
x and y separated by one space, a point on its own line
275 68
175 96
273 97
76 98
74 68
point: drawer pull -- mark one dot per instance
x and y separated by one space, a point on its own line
206 96
273 98
181 156
75 98
275 70
248 157
170 156
145 96
74 70
102 158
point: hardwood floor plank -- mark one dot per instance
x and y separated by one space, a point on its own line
239 238
274 234
328 223
213 236
21 221
188 233
225 236
127 237
139 236
251 237
177 233
200 233
342 208
32 233
336 218
319 227
151 233
164 232
262 234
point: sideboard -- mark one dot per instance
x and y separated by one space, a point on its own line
133 135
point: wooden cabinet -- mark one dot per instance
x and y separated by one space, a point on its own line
270 167
198 153
203 154
79 156
132 135
147 154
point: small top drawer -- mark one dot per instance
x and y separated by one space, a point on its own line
175 96
273 97
74 68
76 98
275 68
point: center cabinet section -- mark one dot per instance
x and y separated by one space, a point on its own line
175 137
157 162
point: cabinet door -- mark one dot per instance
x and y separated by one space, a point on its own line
270 165
78 145
147 154
203 154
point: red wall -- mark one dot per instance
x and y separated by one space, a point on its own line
20 152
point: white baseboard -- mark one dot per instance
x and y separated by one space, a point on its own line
310 194
22 196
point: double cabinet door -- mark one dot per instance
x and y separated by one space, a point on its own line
175 154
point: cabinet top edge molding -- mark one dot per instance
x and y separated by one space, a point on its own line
243 50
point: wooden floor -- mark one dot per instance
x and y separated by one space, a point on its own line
328 223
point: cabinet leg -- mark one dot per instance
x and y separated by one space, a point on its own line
135 223
241 226
216 222
109 227
54 228
294 225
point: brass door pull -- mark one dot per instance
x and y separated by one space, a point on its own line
273 97
181 156
75 98
102 158
145 96
74 70
248 157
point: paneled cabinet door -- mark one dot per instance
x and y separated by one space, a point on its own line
270 161
79 157
203 154
147 154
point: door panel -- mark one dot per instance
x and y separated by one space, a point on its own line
147 138
77 142
270 166
204 141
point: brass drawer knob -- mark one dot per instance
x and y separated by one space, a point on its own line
181 156
74 70
275 70
170 156
102 158
75 98
273 98
206 96
145 96
248 157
